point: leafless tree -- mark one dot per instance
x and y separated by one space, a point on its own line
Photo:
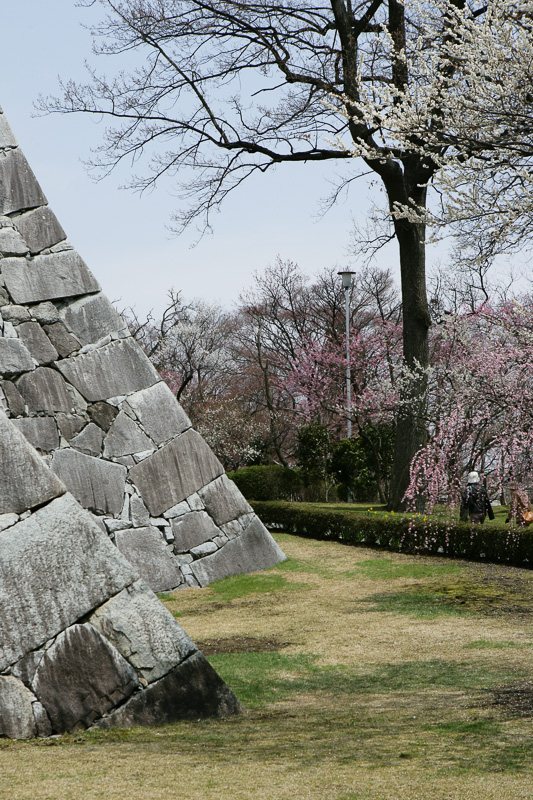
226 89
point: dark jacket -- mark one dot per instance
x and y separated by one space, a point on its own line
475 500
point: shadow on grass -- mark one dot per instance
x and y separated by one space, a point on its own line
267 677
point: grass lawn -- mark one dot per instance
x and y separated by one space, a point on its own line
365 676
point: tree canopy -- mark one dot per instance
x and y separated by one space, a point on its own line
426 94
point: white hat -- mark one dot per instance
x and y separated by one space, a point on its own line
473 477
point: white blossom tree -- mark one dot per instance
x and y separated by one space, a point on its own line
399 88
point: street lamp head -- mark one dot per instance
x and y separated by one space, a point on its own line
346 276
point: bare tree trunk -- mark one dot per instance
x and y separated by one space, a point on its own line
411 433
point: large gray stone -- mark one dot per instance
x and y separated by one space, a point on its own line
40 229
102 414
116 369
56 275
55 567
193 690
25 482
193 529
92 318
16 710
64 342
142 629
37 342
12 243
223 500
46 313
254 549
81 677
146 549
14 399
70 424
125 438
14 357
19 189
159 412
45 390
7 137
41 432
139 514
96 484
175 472
14 313
89 441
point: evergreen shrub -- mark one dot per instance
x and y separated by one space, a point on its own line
418 535
267 482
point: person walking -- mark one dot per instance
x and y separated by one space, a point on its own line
475 503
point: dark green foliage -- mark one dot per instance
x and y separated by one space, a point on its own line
419 535
268 482
313 456
362 465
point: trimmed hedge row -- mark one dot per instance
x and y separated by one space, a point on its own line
497 544
267 482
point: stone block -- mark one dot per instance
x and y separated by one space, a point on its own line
81 677
89 441
125 438
254 549
96 484
46 313
159 412
175 472
177 511
55 567
16 709
223 500
12 243
41 432
40 229
102 414
193 690
15 401
14 357
143 631
64 342
47 277
25 482
70 424
15 313
92 318
7 520
35 339
192 529
147 550
19 189
204 549
116 369
45 390
7 137
139 514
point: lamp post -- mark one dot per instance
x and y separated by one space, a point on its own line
346 276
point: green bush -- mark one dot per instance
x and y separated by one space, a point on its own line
269 482
418 535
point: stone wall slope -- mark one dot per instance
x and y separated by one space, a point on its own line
83 640
85 395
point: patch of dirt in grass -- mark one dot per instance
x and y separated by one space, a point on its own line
516 699
240 644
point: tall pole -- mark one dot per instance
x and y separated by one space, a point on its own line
348 364
346 276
